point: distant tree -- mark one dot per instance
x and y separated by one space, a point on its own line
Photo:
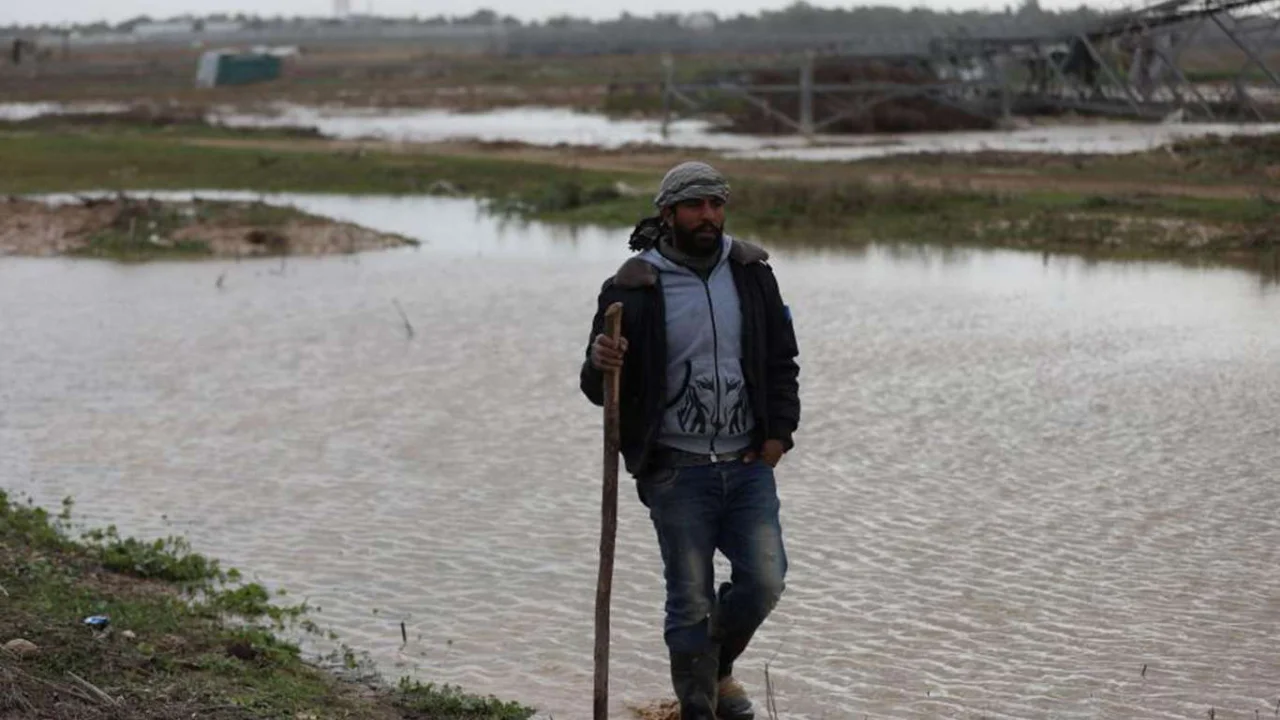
480 17
131 23
788 26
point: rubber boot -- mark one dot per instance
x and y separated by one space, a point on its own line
732 701
695 678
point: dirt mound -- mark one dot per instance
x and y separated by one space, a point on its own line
898 114
125 228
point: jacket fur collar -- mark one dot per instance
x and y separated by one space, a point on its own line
637 273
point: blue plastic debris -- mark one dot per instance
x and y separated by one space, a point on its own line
97 622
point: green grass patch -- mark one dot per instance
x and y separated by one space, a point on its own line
1252 75
189 122
1207 161
127 247
256 214
185 639
168 559
139 232
447 701
39 163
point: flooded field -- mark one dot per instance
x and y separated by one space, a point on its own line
1024 487
560 126
534 126
17 112
1101 139
554 126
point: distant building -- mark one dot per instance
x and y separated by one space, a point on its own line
283 51
163 29
213 27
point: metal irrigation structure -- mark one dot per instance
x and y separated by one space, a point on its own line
1188 59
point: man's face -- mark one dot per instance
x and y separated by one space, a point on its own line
697 225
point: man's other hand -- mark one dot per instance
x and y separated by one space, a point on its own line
771 454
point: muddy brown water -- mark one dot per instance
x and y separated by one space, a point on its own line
1018 481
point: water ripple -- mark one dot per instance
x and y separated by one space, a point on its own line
1017 485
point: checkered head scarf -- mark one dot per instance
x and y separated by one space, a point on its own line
691 180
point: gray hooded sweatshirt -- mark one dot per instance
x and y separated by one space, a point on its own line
708 407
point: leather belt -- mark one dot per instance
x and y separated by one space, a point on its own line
672 458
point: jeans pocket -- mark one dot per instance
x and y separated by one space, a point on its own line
655 483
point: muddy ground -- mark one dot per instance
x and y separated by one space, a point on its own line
126 228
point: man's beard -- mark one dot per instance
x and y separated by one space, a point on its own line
702 241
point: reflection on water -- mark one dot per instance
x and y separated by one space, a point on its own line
1263 267
1017 483
532 125
19 111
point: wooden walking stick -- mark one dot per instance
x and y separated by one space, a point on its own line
609 517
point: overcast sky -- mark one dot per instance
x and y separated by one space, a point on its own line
60 11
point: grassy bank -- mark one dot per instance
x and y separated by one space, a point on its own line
1205 163
67 162
1049 204
185 638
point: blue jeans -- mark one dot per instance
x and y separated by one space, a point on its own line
731 507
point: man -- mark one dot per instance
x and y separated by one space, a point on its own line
709 403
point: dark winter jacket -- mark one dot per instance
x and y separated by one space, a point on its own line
768 354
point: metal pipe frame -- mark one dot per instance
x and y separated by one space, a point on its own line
1250 51
1155 84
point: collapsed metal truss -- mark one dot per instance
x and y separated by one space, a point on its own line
1143 63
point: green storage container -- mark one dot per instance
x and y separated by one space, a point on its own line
223 68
